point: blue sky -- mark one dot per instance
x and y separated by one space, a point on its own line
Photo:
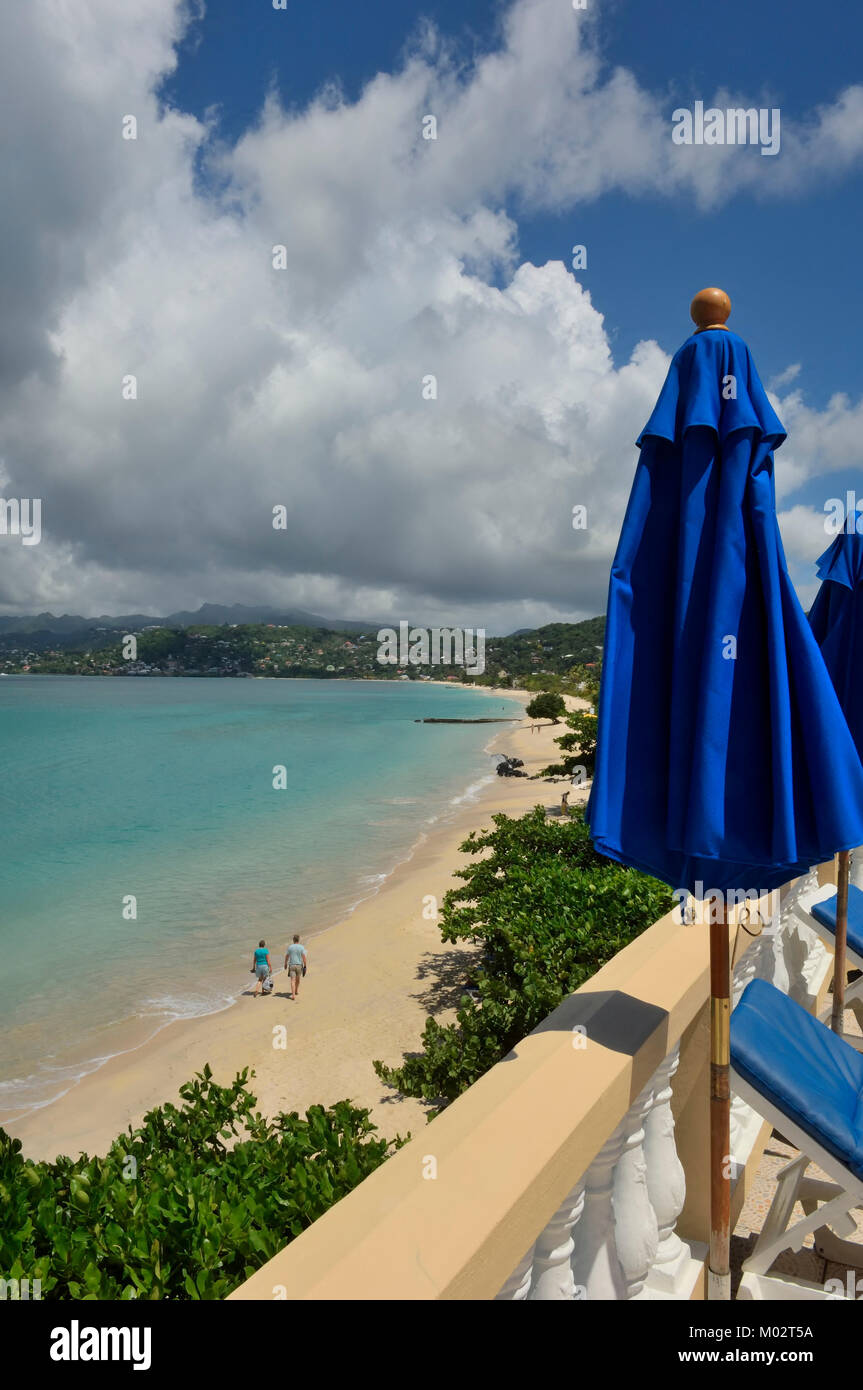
299 385
790 265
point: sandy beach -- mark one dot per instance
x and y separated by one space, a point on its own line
373 978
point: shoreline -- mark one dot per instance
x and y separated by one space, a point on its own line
366 994
52 1077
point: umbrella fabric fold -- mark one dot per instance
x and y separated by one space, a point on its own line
836 619
723 756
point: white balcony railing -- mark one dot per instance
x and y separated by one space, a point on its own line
614 1236
594 1156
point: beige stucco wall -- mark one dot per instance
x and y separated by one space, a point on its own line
507 1152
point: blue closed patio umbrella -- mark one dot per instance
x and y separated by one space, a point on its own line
724 761
836 619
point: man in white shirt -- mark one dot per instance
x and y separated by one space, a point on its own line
296 959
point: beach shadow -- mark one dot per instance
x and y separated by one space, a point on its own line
447 976
274 994
395 1097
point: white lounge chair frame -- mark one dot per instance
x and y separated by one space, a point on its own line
827 1222
854 992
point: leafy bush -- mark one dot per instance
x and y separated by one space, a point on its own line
547 706
547 911
187 1206
579 746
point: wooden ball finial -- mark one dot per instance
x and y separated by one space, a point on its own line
709 309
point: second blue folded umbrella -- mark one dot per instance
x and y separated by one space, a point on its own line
724 759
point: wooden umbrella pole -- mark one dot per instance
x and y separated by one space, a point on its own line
840 969
709 310
719 1271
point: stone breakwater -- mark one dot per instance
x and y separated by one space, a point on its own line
467 721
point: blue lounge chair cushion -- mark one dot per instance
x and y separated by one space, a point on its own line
802 1068
825 913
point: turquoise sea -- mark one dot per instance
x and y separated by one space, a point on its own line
162 789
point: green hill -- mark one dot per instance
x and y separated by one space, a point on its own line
268 649
554 649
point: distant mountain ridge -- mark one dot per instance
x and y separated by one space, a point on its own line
553 648
211 614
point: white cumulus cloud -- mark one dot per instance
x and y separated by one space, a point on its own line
303 387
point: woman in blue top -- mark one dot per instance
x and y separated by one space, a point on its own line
261 965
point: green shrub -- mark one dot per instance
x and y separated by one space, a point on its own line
579 746
185 1207
549 705
547 911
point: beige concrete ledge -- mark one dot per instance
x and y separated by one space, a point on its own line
451 1214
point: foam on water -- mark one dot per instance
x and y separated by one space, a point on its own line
472 792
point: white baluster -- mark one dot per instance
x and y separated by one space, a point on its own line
805 954
767 958
595 1265
517 1286
791 893
745 970
635 1226
770 956
808 959
817 961
666 1180
552 1261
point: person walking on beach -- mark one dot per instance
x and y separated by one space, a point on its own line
296 959
261 966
